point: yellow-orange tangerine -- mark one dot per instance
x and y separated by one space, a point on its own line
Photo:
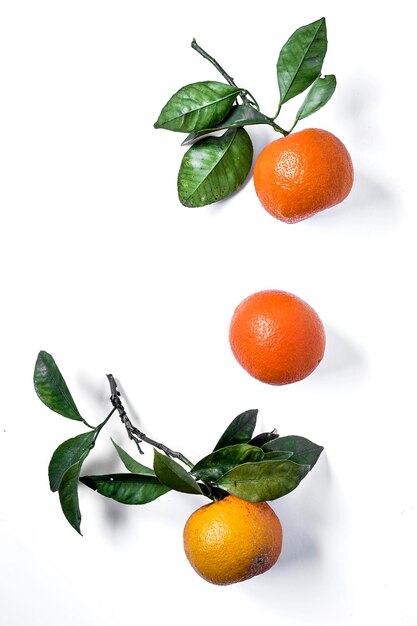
232 540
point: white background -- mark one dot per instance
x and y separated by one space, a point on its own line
102 267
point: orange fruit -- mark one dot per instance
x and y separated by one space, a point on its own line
277 337
303 173
232 540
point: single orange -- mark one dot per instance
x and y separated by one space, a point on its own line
232 540
277 337
303 173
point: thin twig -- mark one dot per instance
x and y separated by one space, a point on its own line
134 433
244 93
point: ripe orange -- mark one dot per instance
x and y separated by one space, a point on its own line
303 173
277 337
232 540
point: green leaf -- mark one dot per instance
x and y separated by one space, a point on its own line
240 115
301 59
52 388
214 168
263 438
277 455
240 430
68 495
173 475
196 106
319 95
265 480
304 452
68 481
126 488
67 454
131 464
214 465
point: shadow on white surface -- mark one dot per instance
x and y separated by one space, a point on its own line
341 354
371 202
303 517
113 514
312 558
361 98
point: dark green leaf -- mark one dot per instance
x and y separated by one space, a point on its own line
196 106
319 95
214 168
68 495
240 115
240 430
173 475
305 452
265 480
221 461
52 388
263 438
67 454
131 464
277 455
126 488
301 59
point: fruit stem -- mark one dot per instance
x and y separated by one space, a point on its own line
278 128
244 93
134 433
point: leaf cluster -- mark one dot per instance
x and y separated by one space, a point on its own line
214 167
264 467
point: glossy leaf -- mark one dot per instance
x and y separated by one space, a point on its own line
319 95
196 106
265 480
214 168
301 59
240 115
52 388
68 495
214 465
304 452
240 430
126 488
173 475
263 438
67 454
131 464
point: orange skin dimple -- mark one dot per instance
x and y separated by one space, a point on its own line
232 540
302 174
277 337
